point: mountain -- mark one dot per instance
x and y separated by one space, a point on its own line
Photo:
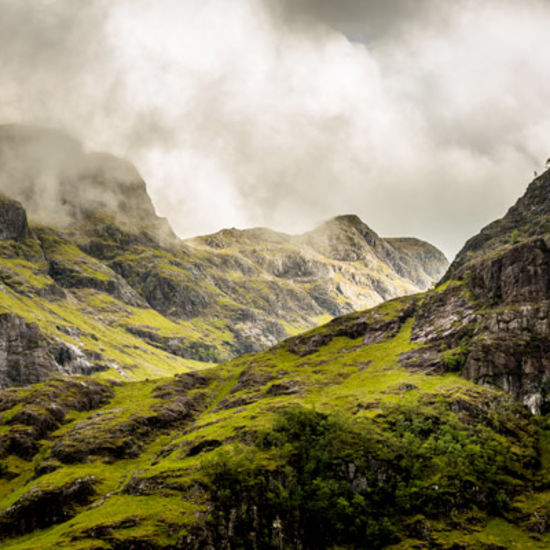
419 423
97 283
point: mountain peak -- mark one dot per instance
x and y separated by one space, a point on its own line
529 217
342 238
41 140
346 222
48 171
348 219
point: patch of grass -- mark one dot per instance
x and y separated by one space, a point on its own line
23 275
135 359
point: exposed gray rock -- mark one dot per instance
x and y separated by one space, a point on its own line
13 220
24 357
494 323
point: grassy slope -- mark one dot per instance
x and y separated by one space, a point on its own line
245 295
99 321
363 382
90 318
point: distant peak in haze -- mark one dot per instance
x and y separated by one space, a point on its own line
59 183
350 219
47 140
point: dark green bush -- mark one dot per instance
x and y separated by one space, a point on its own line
334 481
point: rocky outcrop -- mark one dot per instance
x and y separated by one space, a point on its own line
490 342
514 274
43 411
28 357
174 296
490 318
24 357
13 220
42 507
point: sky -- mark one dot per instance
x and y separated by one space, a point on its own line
425 118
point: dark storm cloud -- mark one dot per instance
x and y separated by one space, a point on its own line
362 20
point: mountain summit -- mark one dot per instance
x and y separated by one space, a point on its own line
105 287
60 184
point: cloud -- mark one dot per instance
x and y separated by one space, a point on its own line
425 119
364 20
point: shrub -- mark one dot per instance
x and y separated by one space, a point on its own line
329 480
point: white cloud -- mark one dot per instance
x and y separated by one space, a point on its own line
240 115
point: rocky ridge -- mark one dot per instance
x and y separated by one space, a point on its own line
108 289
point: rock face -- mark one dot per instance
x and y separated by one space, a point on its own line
27 357
13 220
490 319
24 357
102 262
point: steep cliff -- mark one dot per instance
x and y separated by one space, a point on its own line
491 315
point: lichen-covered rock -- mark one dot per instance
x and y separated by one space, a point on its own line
104 434
172 295
43 410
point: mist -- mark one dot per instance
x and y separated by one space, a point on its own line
425 120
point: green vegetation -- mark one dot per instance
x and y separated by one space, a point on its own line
357 434
455 358
255 446
335 482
